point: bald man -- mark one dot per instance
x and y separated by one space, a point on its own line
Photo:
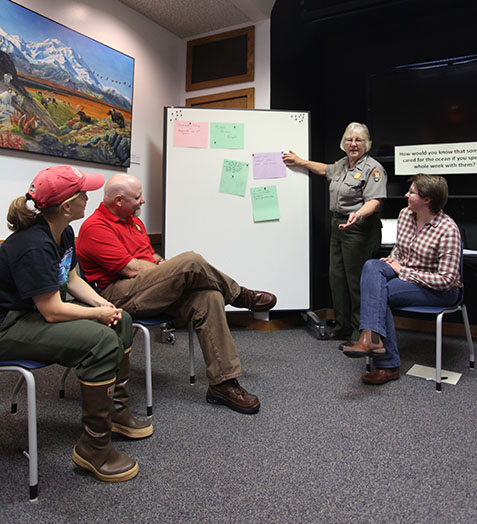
116 254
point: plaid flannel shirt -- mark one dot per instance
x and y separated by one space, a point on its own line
430 258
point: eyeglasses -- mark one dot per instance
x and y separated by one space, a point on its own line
351 140
411 192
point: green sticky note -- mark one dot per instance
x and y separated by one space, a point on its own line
264 203
226 136
234 177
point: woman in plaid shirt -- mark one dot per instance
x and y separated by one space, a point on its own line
422 269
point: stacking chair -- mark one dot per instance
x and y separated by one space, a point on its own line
438 312
25 368
168 336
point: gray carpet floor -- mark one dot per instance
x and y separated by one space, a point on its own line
324 448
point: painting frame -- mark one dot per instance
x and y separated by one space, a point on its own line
62 93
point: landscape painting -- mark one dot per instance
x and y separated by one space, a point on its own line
62 93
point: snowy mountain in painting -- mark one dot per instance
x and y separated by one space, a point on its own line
51 60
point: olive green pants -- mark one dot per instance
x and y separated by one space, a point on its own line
93 349
349 250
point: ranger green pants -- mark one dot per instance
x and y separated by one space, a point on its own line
93 349
349 250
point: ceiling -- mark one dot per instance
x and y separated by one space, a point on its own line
187 18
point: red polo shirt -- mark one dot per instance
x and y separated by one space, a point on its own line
107 243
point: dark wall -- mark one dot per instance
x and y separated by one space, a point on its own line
322 55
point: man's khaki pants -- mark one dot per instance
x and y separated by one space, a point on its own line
189 288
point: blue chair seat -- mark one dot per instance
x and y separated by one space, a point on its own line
28 364
154 321
423 310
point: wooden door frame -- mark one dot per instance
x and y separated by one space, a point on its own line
248 93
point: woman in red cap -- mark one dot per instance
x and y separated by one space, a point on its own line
37 269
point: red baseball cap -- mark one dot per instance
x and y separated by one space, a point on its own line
55 184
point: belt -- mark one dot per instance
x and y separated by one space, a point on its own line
339 215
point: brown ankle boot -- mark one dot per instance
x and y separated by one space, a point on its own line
123 421
368 345
94 450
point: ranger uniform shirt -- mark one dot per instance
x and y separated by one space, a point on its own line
350 188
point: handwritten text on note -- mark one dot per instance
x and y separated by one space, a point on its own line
268 165
265 203
190 134
234 177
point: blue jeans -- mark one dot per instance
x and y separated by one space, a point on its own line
381 289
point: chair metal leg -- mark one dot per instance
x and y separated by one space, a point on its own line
368 364
32 453
32 435
468 334
190 327
16 390
147 360
62 382
439 351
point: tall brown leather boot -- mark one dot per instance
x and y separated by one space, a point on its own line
368 345
123 421
94 450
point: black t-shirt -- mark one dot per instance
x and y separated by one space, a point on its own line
31 263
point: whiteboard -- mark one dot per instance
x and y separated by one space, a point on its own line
271 255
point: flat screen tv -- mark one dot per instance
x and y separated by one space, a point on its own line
427 103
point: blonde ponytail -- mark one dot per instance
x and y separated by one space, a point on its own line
19 215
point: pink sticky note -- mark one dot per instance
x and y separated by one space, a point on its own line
190 134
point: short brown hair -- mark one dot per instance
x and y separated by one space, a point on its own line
433 187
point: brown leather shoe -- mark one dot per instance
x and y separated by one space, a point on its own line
230 393
368 345
255 300
381 375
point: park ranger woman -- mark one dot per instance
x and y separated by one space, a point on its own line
357 184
